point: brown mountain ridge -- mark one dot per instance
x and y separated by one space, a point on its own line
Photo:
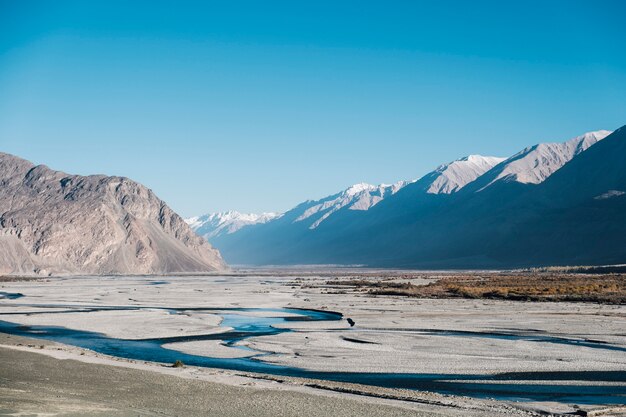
55 223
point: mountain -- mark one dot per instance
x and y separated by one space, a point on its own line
450 178
217 224
56 223
509 223
291 237
360 197
434 188
311 213
536 163
577 215
477 212
294 225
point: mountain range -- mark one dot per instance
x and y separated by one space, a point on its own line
213 225
55 223
549 204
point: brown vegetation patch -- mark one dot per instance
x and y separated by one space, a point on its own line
540 287
15 278
608 288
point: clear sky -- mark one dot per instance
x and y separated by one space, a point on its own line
256 106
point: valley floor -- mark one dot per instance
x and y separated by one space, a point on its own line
562 347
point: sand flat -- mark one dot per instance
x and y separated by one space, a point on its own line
129 324
212 348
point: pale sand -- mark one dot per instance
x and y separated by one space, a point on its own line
132 324
212 348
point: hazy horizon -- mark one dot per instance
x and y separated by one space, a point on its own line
256 108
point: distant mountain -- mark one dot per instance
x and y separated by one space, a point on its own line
311 213
574 217
217 224
360 196
474 212
536 163
579 212
52 222
280 239
450 178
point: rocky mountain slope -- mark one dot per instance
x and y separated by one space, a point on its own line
56 223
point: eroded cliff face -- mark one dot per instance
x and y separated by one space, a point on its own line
52 222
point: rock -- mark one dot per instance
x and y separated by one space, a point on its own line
56 223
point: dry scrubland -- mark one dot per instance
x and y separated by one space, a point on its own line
544 286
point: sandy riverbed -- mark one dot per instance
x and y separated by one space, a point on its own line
392 334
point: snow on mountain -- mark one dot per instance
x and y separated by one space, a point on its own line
446 179
360 196
217 224
451 177
536 163
610 194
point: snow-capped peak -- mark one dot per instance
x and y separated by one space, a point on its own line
216 224
359 188
536 163
361 196
451 177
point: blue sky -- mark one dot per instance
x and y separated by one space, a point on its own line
257 106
